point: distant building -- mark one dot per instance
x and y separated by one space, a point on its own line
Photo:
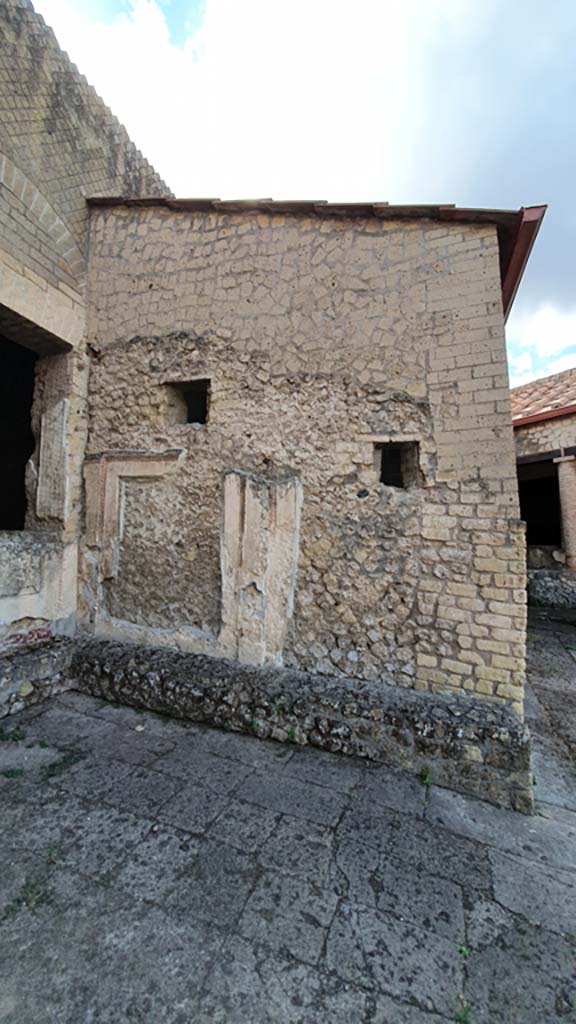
544 421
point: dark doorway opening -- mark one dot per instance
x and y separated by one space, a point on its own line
16 437
540 503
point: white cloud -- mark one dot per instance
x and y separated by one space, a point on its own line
313 99
520 368
522 363
540 343
324 99
567 362
545 333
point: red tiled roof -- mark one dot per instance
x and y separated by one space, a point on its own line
545 398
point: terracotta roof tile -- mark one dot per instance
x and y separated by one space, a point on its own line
545 397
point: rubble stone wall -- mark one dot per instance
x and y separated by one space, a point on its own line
462 743
551 588
465 744
33 674
545 436
322 340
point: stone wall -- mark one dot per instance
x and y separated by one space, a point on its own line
545 435
30 675
58 144
551 588
322 340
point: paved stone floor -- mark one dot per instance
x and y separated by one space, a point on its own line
153 871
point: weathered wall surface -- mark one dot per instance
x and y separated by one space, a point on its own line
545 436
321 339
58 144
533 439
31 674
464 744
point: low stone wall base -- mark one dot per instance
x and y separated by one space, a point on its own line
32 674
464 744
551 588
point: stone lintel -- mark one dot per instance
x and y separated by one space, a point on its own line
35 313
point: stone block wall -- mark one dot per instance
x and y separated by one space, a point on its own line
323 340
58 144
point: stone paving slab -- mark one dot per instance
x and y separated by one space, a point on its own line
554 776
164 855
156 872
243 825
193 808
560 709
544 896
290 915
282 794
397 790
384 954
522 974
302 848
326 769
215 885
193 763
550 840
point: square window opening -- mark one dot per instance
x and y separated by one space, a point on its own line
189 402
397 463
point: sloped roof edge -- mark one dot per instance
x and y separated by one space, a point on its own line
544 399
517 229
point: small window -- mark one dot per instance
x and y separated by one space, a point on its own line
397 463
189 401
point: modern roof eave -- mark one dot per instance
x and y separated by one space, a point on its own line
517 229
549 414
512 267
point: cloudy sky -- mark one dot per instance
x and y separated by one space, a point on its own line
470 102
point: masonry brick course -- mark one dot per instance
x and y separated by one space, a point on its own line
58 144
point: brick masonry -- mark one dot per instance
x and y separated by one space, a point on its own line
58 144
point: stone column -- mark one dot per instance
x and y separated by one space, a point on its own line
567 486
259 554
